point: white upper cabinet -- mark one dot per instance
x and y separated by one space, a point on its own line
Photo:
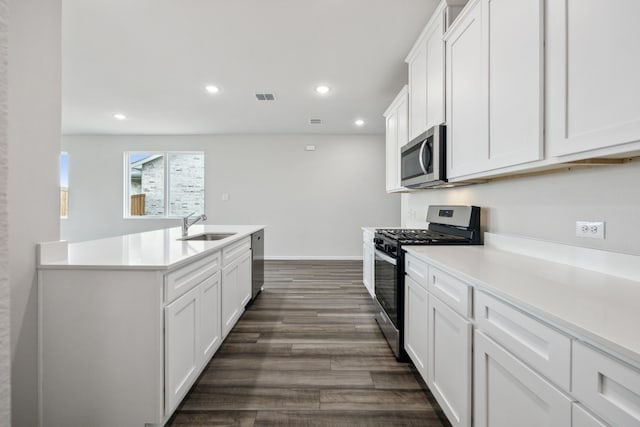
494 101
593 64
435 74
426 70
418 90
515 32
397 123
467 136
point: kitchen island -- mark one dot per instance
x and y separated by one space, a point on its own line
127 324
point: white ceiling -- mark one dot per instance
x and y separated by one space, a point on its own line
151 59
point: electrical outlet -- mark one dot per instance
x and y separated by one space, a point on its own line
591 229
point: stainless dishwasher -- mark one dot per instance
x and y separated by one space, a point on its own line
257 269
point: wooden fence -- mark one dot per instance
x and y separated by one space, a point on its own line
137 205
64 202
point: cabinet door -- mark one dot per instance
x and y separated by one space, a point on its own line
230 297
435 74
392 154
367 266
514 29
416 312
449 369
593 64
397 123
467 120
210 335
244 280
581 418
507 393
181 347
418 92
402 114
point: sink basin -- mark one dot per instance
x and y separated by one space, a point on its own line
208 236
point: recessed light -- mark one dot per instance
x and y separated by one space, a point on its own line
212 89
323 89
359 122
119 116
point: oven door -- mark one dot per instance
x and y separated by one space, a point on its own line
386 285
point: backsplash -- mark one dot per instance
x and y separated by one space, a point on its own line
546 207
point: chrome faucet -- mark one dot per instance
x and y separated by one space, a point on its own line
186 222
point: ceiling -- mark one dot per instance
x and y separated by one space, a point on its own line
150 59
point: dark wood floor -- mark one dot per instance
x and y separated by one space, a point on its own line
308 352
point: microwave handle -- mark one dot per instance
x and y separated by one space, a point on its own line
421 157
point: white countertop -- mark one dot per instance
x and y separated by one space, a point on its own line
596 307
151 250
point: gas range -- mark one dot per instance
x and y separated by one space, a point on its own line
448 225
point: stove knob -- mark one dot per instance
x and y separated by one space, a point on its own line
377 240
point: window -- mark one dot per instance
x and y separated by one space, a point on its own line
164 184
64 185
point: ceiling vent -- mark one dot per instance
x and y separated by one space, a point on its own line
265 97
315 121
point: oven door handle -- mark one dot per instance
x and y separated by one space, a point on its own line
386 258
421 156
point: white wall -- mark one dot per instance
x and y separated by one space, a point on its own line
546 207
5 334
33 198
313 202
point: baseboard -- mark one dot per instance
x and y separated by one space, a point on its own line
313 258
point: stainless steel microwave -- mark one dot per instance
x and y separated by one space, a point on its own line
423 160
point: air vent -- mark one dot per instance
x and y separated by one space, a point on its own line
315 121
265 97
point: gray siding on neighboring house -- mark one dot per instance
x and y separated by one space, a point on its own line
186 184
136 187
153 186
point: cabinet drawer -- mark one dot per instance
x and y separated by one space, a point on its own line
540 346
417 270
453 292
234 250
180 281
608 386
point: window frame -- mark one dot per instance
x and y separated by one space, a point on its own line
60 156
167 182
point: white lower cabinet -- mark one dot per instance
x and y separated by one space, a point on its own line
581 418
210 317
416 319
449 361
244 278
192 335
181 347
508 393
368 256
367 267
609 387
489 362
236 290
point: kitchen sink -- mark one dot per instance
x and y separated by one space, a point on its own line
208 236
